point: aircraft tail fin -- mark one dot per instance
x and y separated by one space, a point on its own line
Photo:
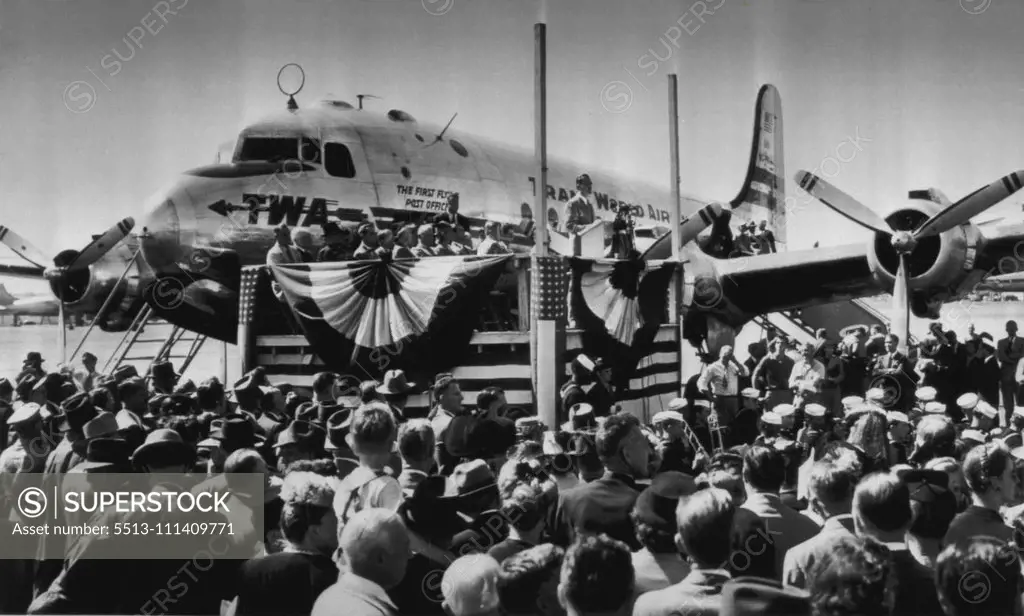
764 189
5 296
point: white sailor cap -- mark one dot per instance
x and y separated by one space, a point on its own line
814 410
973 435
967 401
1018 411
851 401
784 410
530 421
677 404
697 404
926 394
986 409
664 416
897 417
750 392
875 394
935 407
771 418
1018 452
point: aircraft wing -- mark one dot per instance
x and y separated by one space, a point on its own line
35 306
787 280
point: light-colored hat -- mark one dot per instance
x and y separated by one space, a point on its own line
935 407
771 418
677 404
784 410
701 404
750 392
814 410
986 409
973 435
851 401
875 394
664 416
897 416
967 401
1018 411
926 394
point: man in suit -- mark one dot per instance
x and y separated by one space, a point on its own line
1010 350
895 366
876 343
984 372
705 522
764 471
831 498
881 510
604 505
376 549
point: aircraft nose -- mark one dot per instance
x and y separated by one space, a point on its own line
160 237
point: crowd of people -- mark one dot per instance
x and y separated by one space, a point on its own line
753 497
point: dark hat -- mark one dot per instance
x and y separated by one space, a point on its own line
27 412
307 411
395 384
104 425
155 405
656 505
925 485
104 454
185 387
470 478
34 356
583 178
748 595
88 356
163 369
337 429
26 383
6 387
104 380
271 423
428 513
166 443
77 411
301 433
248 385
236 430
124 372
364 228
177 404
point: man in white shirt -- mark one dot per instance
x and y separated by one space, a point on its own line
492 244
284 252
721 381
807 377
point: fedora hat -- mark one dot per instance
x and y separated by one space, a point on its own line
77 411
302 433
163 442
105 454
163 369
470 478
337 429
34 356
104 425
124 372
27 412
395 384
428 513
236 430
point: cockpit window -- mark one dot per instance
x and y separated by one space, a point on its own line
338 161
269 149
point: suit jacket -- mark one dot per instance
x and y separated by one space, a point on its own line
352 595
657 571
800 558
786 526
601 506
699 594
1009 354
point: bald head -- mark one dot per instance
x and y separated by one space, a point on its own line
470 586
375 545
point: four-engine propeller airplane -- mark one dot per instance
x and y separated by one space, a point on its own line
333 162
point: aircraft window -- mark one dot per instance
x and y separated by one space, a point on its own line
270 149
338 161
459 148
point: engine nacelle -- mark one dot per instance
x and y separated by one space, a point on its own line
939 266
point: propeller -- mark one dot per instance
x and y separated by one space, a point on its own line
904 242
57 273
440 137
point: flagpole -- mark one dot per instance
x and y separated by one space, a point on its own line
546 272
674 207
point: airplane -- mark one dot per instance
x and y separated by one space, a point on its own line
331 161
33 304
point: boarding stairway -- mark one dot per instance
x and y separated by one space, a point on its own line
149 340
800 325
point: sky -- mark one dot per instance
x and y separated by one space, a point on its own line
106 101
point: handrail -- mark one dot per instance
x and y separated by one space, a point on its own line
103 307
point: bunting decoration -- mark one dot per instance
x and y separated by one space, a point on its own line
620 307
375 316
